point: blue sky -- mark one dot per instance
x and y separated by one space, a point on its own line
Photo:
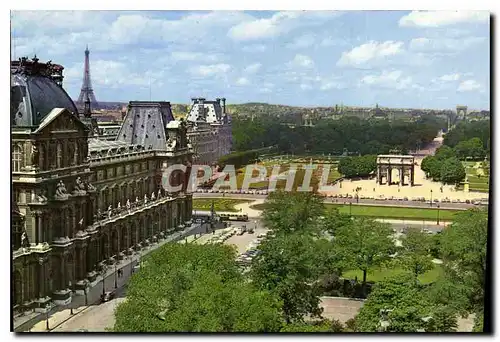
308 58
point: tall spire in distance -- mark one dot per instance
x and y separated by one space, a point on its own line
87 92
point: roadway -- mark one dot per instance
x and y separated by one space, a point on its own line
389 203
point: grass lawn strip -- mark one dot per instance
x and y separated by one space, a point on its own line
376 275
388 212
220 204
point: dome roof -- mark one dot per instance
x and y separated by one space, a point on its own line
34 92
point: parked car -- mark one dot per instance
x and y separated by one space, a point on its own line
107 296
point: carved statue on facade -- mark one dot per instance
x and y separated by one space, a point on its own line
80 223
119 206
153 196
24 240
137 200
110 211
99 214
128 204
79 186
61 190
35 156
90 187
145 199
159 193
41 198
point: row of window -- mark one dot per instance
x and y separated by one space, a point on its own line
50 155
120 170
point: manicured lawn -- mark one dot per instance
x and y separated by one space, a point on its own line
388 212
376 275
220 204
333 175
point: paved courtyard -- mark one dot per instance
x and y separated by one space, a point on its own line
423 187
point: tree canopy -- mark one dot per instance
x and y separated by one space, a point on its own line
193 288
399 305
329 136
364 243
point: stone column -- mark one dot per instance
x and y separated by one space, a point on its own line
402 176
389 175
41 278
379 178
412 176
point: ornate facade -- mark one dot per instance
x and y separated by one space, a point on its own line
80 203
209 130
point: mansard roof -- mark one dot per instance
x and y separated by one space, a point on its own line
145 124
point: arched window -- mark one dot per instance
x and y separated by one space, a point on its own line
17 158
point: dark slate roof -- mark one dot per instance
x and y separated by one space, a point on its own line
34 94
145 124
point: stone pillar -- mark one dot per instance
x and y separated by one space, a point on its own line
412 176
41 278
402 176
389 175
379 178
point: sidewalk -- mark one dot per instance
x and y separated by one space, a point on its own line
37 322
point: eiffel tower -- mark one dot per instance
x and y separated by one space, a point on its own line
87 93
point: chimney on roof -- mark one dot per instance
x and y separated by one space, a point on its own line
223 105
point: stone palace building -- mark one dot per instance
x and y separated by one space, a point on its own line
80 203
209 130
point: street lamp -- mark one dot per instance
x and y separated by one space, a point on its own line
350 208
103 275
47 309
71 297
438 215
116 279
431 198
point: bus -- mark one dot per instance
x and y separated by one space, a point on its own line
205 215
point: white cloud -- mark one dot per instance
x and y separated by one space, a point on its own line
278 23
331 85
209 70
261 28
469 85
388 79
442 18
302 42
242 81
305 86
193 56
444 44
110 73
362 54
449 77
252 68
254 48
301 61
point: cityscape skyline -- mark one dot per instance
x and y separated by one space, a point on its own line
306 58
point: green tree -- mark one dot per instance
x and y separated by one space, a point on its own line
415 252
193 288
364 244
404 307
452 171
432 167
463 247
318 326
288 212
288 266
476 148
444 152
